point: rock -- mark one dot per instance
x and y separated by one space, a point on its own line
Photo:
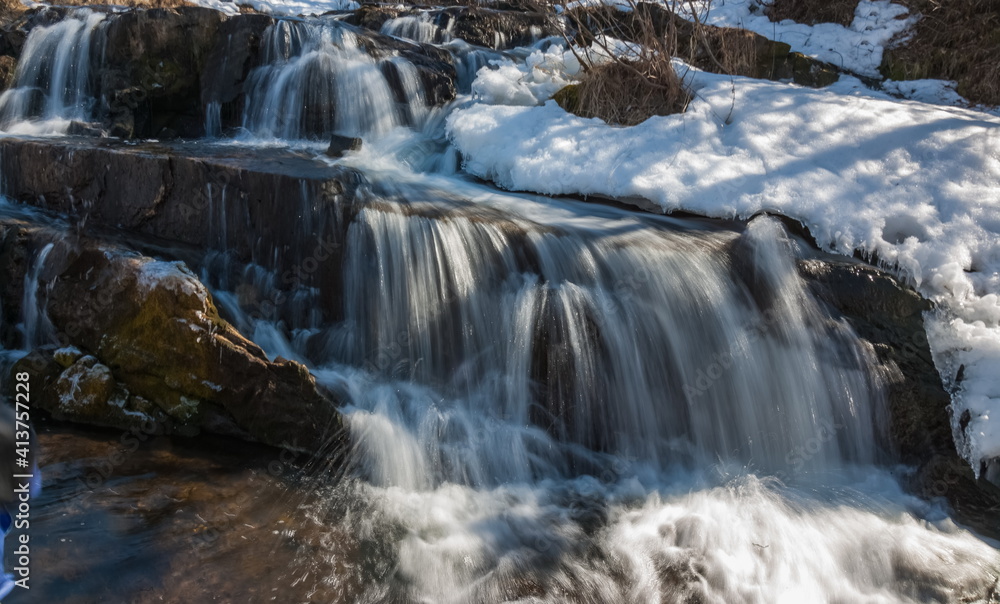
7 66
889 316
342 144
568 97
373 16
67 356
85 385
227 65
150 77
157 351
497 28
84 129
489 27
177 194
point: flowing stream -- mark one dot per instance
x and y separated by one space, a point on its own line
555 401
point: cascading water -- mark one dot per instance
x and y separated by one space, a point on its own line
51 85
316 80
603 342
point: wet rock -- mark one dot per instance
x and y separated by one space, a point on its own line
342 144
373 16
67 356
85 129
7 66
185 195
232 57
156 350
489 27
889 316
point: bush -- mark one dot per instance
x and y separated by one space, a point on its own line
628 92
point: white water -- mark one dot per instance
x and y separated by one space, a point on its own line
51 85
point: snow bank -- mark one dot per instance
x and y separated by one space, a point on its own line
913 183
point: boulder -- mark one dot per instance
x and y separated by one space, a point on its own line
153 348
374 16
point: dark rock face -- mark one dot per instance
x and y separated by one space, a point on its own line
890 317
497 29
150 79
373 16
233 55
148 346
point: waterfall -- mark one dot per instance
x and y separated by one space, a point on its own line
316 80
640 344
51 85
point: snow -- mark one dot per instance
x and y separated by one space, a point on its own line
172 276
915 184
